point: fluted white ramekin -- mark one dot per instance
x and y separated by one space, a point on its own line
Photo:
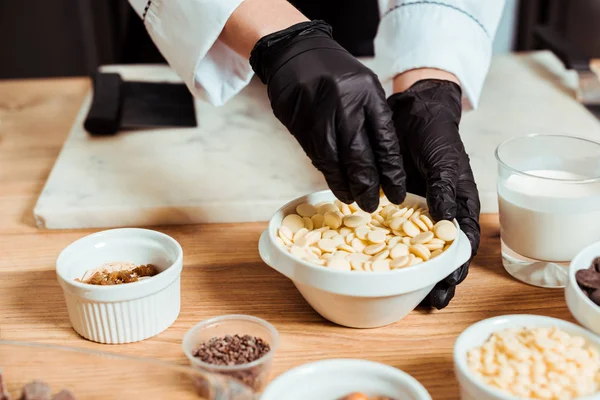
122 313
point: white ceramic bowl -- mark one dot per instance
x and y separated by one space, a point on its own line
360 299
122 313
471 388
583 309
335 378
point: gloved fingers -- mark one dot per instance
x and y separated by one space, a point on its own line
468 208
440 295
357 159
459 275
442 165
386 146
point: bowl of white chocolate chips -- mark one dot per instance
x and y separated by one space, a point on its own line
359 269
527 357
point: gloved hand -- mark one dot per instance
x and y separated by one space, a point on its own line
336 108
426 117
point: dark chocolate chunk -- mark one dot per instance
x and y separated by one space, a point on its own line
595 297
64 395
588 278
36 390
596 264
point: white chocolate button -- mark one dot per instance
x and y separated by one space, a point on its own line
367 266
376 236
308 223
426 221
358 245
399 250
420 224
279 241
422 238
410 228
396 223
338 239
299 252
380 265
366 216
285 233
400 262
345 209
435 253
362 232
445 230
326 207
327 245
347 248
339 264
406 240
394 241
374 248
332 220
328 234
381 255
306 210
434 246
420 251
300 233
354 207
349 238
415 261
344 231
409 213
317 220
315 250
354 221
293 222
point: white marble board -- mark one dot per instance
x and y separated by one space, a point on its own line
240 164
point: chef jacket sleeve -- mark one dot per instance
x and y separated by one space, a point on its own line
187 34
451 35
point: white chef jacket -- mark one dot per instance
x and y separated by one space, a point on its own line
451 35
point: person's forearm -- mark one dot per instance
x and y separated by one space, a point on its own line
406 79
254 19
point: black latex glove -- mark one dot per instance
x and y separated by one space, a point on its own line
426 117
336 108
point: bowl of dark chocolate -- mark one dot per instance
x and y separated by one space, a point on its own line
36 371
582 292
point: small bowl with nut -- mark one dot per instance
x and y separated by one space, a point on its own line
358 269
527 357
345 379
582 292
238 346
121 285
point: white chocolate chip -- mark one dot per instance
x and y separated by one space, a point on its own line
396 223
445 230
332 220
326 207
380 265
420 224
400 262
399 250
293 222
410 228
383 254
354 221
327 245
376 236
347 248
339 264
345 231
328 234
306 210
308 223
317 221
426 221
374 248
422 238
420 251
358 245
362 232
300 233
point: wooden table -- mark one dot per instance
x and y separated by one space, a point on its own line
222 270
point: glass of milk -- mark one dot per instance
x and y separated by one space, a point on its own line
549 204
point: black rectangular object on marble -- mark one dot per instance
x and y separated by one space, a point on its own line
119 105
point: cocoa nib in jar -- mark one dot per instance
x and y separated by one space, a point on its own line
236 351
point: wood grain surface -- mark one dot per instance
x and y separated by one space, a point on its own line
222 270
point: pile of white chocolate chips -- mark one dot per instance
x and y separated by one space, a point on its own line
344 237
